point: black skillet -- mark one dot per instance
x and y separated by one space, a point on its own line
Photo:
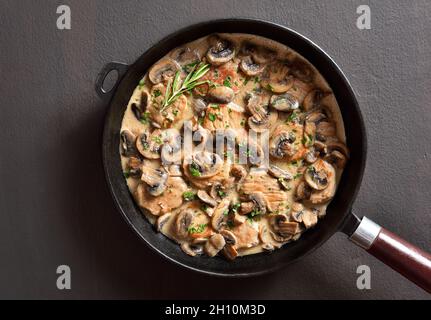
400 255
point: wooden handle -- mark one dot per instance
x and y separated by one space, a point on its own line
410 261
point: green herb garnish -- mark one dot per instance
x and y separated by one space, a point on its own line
212 117
227 82
157 139
157 93
197 229
194 170
189 195
175 88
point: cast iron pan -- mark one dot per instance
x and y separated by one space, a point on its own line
408 260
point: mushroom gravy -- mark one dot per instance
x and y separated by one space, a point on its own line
208 201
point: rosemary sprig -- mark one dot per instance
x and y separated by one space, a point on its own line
175 88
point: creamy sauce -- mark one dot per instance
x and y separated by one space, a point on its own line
281 195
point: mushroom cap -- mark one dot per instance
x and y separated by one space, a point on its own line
150 144
163 70
284 102
282 144
127 143
155 179
205 165
206 198
220 212
162 220
318 174
214 245
249 67
221 52
221 94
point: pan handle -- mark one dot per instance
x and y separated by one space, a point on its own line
119 67
402 256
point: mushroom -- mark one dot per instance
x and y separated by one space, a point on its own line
268 241
140 109
171 150
317 175
221 52
297 211
337 146
155 179
221 94
238 219
313 99
229 237
309 218
134 165
323 196
162 220
246 207
281 175
186 57
205 165
259 201
265 124
283 230
311 156
303 191
174 170
127 144
163 70
240 173
259 54
301 70
218 191
309 135
214 245
325 129
149 145
183 222
250 67
220 212
282 144
316 116
192 250
230 252
206 198
336 158
284 102
276 79
199 106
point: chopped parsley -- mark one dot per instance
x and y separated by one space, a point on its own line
246 80
296 176
242 123
235 207
221 193
256 80
157 93
270 88
157 139
197 229
189 195
144 117
227 82
292 117
212 117
215 106
127 174
194 170
226 212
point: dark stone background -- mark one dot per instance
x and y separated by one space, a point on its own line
55 207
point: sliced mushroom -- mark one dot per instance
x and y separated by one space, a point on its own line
316 116
313 99
265 124
192 250
183 222
337 146
186 57
303 191
309 218
205 165
174 170
127 144
155 180
214 245
238 219
277 172
206 198
317 175
199 106
134 165
240 173
219 190
267 239
247 207
230 252
259 53
283 230
220 214
162 220
140 109
311 156
250 67
284 102
221 52
301 70
260 202
171 150
326 129
229 237
149 145
336 158
276 78
297 211
323 196
221 94
163 70
282 144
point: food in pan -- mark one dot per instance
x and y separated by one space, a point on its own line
232 144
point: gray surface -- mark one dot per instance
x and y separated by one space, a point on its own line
55 207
